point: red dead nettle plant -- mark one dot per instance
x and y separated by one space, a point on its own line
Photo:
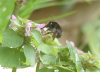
24 44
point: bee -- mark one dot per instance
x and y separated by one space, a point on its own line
54 27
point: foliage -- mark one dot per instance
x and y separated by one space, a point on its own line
30 53
91 30
37 48
11 39
32 5
11 57
6 9
18 50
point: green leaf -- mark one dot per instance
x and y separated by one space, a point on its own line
58 69
11 57
30 54
75 57
11 39
52 42
6 9
87 1
37 35
47 58
46 70
45 48
56 17
31 6
61 69
61 50
17 22
92 31
96 70
0 37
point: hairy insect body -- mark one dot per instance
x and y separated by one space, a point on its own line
54 27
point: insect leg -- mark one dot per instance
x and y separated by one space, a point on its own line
54 36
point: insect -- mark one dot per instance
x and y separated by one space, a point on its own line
54 27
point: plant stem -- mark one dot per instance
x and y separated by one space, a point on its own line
17 7
37 67
16 10
14 69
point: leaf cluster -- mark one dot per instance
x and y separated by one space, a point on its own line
18 50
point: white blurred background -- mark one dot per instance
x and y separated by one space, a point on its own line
29 69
